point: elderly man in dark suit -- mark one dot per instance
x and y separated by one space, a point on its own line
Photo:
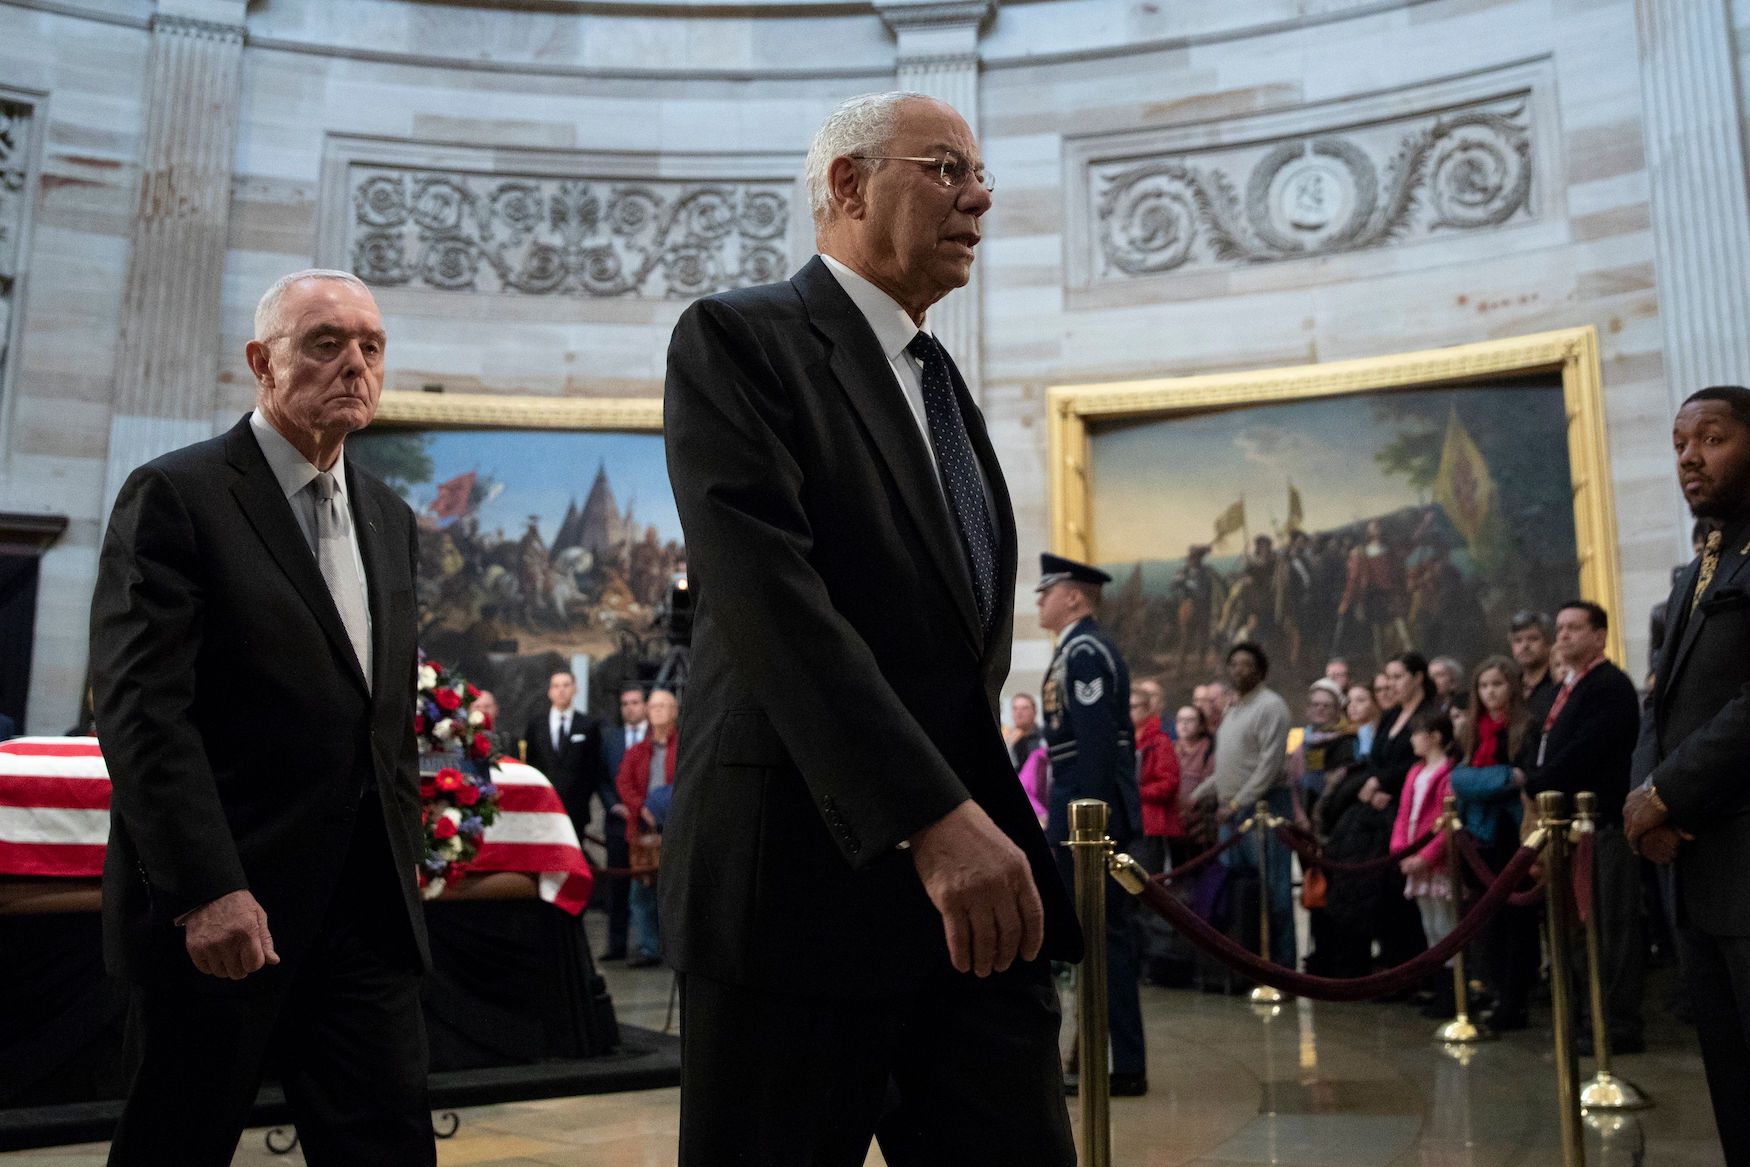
1692 804
854 911
253 642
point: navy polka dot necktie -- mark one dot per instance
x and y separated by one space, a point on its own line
959 470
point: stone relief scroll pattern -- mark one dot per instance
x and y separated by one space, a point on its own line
566 237
15 127
1319 194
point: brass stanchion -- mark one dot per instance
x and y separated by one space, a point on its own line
1264 994
1604 1090
1552 806
1461 1030
1089 845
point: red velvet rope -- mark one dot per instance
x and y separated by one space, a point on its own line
1583 875
1532 896
1296 839
1378 984
1190 865
1479 867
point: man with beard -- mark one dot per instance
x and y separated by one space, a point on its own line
1692 807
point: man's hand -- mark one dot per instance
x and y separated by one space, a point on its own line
1225 813
1640 814
229 937
1661 843
618 810
1413 865
1368 789
981 883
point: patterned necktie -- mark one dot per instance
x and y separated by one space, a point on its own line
334 555
1710 562
959 470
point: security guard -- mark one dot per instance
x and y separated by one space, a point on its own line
1093 755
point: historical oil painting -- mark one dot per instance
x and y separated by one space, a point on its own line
539 549
1358 526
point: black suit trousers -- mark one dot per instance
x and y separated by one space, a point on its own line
343 1031
961 1070
1717 972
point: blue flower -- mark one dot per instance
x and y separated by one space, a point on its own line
471 825
487 790
435 865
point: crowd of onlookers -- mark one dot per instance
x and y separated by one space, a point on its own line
1365 769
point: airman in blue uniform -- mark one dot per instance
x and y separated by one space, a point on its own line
1092 746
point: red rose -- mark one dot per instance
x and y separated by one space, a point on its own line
444 828
419 723
468 795
447 700
482 746
470 690
454 875
450 778
486 721
435 667
427 788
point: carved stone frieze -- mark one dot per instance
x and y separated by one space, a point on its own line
1400 179
457 231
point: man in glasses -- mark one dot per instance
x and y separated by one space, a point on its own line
862 931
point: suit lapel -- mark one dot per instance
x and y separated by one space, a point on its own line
1732 562
863 371
258 493
368 522
1004 520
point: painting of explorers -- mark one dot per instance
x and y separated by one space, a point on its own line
1357 526
538 550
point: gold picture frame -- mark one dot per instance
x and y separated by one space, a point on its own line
1572 353
410 407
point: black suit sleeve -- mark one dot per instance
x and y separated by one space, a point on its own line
1705 776
739 490
146 645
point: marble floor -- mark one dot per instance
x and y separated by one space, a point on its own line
1315 1085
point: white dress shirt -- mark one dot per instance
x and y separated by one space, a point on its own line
894 330
295 473
555 719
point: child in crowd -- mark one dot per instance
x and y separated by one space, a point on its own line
1426 879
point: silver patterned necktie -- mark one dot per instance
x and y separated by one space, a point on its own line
334 555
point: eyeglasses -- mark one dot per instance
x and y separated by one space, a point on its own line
951 169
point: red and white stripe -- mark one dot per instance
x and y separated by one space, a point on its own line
533 833
54 820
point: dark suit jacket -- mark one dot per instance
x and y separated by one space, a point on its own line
1592 744
1695 740
237 727
834 595
577 770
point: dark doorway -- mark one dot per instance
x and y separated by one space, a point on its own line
23 539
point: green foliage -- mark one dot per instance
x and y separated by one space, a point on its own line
401 458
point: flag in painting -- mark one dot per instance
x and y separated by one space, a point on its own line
1230 520
453 497
1296 511
1464 488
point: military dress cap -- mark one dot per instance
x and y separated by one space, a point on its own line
1055 569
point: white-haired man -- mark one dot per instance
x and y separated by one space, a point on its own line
849 916
253 644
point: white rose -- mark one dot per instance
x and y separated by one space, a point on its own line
433 889
454 815
427 677
476 718
451 848
443 729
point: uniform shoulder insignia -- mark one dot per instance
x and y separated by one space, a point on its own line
1088 692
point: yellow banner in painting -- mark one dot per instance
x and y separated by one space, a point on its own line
1230 520
1296 512
1464 488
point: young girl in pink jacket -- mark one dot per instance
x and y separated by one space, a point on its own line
1426 879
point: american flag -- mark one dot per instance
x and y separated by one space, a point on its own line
54 820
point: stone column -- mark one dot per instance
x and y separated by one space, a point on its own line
167 363
1700 206
938 55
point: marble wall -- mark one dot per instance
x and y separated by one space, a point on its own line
341 106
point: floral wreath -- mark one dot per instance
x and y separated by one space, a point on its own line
457 796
